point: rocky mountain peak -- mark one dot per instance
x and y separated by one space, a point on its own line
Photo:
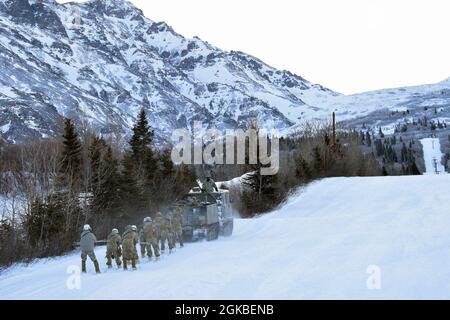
113 8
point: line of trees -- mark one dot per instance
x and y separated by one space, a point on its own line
400 163
306 157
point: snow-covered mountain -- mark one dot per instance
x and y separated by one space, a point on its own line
396 99
390 108
101 61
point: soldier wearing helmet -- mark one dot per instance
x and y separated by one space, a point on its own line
168 231
142 242
149 239
129 241
113 249
177 222
160 231
209 185
87 245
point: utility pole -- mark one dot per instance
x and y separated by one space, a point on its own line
435 164
334 129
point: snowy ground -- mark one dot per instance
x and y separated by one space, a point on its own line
347 238
320 245
433 156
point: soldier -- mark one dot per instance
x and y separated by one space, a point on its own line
130 239
177 222
135 230
169 232
209 185
87 245
113 250
161 235
150 237
142 242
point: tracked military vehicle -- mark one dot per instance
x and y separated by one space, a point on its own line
206 215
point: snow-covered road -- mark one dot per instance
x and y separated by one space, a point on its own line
320 245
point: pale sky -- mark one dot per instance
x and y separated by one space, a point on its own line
348 46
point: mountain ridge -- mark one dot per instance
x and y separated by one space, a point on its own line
100 61
117 61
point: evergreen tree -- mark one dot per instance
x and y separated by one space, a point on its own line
140 167
318 160
413 169
6 235
46 223
69 182
95 158
260 191
303 171
185 178
104 178
404 153
433 126
142 138
167 166
129 187
379 147
70 173
368 139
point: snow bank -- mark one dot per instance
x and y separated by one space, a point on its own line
319 245
236 183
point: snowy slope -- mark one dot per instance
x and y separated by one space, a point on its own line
397 99
433 156
319 245
389 109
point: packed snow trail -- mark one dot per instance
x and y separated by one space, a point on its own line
433 156
319 245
